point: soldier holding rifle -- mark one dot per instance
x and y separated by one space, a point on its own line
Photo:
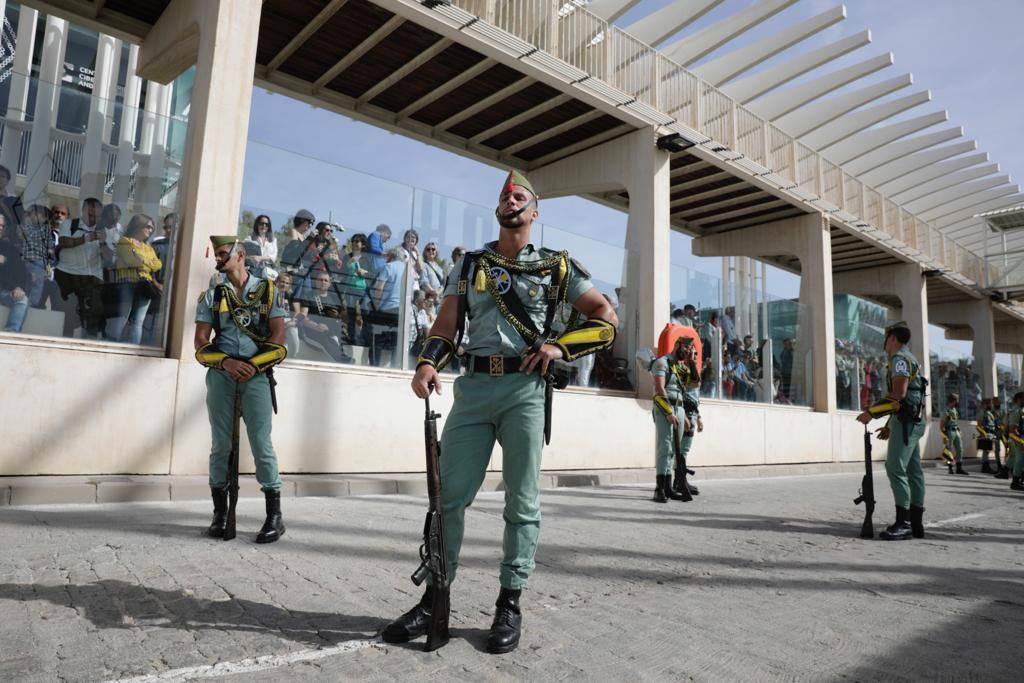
245 316
903 405
674 411
510 290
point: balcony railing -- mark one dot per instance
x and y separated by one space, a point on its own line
585 41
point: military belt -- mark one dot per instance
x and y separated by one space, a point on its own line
495 366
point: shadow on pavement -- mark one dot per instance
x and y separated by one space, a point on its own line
115 604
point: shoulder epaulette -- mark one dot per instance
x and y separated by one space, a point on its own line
579 266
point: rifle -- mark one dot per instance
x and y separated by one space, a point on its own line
681 468
867 490
947 455
232 483
433 556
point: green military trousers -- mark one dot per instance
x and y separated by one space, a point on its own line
997 448
903 463
509 409
956 445
664 450
686 442
1015 459
256 412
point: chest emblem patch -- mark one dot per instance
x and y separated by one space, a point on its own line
241 315
502 279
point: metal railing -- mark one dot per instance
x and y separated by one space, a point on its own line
566 30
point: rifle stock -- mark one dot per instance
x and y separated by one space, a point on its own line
232 484
867 490
433 553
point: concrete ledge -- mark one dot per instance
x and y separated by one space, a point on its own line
124 489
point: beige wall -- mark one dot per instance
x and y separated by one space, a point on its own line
72 411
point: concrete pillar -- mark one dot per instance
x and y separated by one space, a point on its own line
126 136
219 37
905 282
51 70
153 145
101 116
633 163
17 98
807 238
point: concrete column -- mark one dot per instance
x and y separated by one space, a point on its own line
219 37
905 282
126 136
152 144
17 98
101 113
633 163
51 70
807 238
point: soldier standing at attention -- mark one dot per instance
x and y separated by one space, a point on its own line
987 425
1015 431
244 313
673 374
1002 438
691 406
951 428
510 291
903 404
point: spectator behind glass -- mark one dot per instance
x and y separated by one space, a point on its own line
132 281
297 233
410 243
356 289
14 281
261 248
163 245
284 284
387 294
80 270
457 254
35 243
376 245
432 274
110 223
9 204
324 317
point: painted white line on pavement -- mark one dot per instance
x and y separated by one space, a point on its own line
251 665
952 520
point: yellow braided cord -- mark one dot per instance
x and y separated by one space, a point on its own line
592 336
887 406
209 356
663 403
268 356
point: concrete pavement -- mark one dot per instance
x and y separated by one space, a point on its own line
757 579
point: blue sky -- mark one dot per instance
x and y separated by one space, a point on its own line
965 53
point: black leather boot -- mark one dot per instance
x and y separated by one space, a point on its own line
220 513
1002 473
507 624
413 623
987 469
273 528
950 466
917 521
671 491
693 489
900 529
960 469
659 490
1017 485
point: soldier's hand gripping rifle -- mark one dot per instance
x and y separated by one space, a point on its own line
867 490
433 556
681 469
232 483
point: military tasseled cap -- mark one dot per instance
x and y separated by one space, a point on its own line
685 341
900 325
516 178
221 240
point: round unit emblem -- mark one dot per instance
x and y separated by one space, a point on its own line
502 279
241 316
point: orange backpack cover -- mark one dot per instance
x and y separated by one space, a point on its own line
672 332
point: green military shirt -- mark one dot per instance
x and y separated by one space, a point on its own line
950 418
988 423
668 367
231 339
490 334
903 364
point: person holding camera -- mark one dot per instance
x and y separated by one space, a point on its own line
510 290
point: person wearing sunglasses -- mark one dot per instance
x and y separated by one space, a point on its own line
261 248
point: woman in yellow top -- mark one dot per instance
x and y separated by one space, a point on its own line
131 281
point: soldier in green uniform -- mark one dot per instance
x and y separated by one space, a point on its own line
691 406
903 404
987 430
510 291
951 428
1015 430
244 313
673 411
1002 471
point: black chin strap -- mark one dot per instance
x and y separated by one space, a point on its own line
515 214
